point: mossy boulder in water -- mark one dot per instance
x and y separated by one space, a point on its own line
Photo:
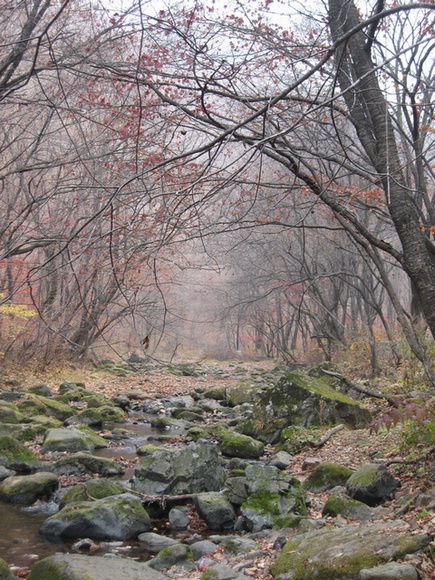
117 517
26 489
78 439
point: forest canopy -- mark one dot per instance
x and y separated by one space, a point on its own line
250 177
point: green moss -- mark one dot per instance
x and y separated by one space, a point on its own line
10 414
337 504
195 433
111 414
56 408
5 573
210 575
96 440
218 393
365 476
344 568
48 570
91 490
238 445
147 449
327 475
295 439
13 452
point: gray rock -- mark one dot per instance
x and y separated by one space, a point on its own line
175 555
178 519
340 503
71 440
203 548
193 469
281 460
391 571
155 542
79 464
372 484
215 509
237 489
26 489
267 478
82 567
118 517
4 472
224 572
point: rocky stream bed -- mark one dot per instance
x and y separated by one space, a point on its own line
208 472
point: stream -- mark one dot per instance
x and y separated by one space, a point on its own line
20 541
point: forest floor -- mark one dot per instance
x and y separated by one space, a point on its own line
413 465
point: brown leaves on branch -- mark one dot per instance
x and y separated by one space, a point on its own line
405 409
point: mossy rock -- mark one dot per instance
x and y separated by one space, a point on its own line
295 439
372 484
42 390
163 423
67 387
38 427
90 417
32 405
5 572
235 444
273 510
340 554
176 554
147 449
94 401
195 433
297 399
188 415
14 455
90 491
111 414
56 409
341 504
98 442
79 464
239 394
26 489
10 413
218 393
180 413
326 476
84 567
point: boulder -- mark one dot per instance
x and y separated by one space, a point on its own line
5 572
117 517
79 464
178 518
9 413
193 469
91 490
235 444
72 440
275 499
372 484
344 552
326 476
153 543
342 504
391 571
215 509
14 455
81 567
297 399
26 489
174 555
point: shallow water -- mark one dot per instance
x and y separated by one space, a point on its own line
20 541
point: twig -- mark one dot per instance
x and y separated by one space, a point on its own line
327 436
